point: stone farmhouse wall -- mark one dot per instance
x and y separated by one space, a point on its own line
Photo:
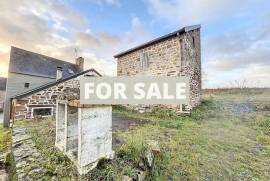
175 56
45 98
191 64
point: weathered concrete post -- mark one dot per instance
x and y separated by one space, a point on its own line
84 133
60 126
95 140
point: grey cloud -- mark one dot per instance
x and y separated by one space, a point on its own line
193 11
105 45
239 48
35 26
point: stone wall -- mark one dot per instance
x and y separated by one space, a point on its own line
16 85
175 56
26 156
191 64
163 60
45 98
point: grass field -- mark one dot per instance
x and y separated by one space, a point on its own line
226 138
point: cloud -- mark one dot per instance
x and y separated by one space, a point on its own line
102 43
135 36
240 55
240 48
186 12
55 29
108 2
105 45
234 38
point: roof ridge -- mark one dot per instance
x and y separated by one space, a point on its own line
50 84
155 40
60 60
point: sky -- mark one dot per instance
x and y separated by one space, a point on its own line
235 34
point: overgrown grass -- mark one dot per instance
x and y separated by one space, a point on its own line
54 163
5 139
58 166
11 167
126 162
168 118
216 142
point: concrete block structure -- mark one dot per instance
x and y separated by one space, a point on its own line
84 133
175 54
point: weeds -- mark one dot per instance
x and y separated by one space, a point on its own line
11 167
54 163
5 139
213 143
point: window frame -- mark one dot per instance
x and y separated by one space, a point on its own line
193 42
33 108
144 60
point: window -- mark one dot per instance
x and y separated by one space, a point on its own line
26 85
182 57
144 60
193 42
43 112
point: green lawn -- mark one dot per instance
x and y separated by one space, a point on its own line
226 138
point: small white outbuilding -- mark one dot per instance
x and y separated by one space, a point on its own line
84 133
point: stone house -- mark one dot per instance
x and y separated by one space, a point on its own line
41 101
175 54
34 81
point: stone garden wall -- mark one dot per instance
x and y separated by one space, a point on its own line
26 156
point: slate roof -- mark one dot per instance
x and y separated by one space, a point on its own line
48 85
3 82
175 33
26 62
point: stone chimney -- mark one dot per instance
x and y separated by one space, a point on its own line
80 62
59 73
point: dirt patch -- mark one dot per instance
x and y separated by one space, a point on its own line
120 122
263 108
238 108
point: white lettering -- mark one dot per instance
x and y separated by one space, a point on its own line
166 92
108 91
180 89
119 91
153 91
139 92
88 90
